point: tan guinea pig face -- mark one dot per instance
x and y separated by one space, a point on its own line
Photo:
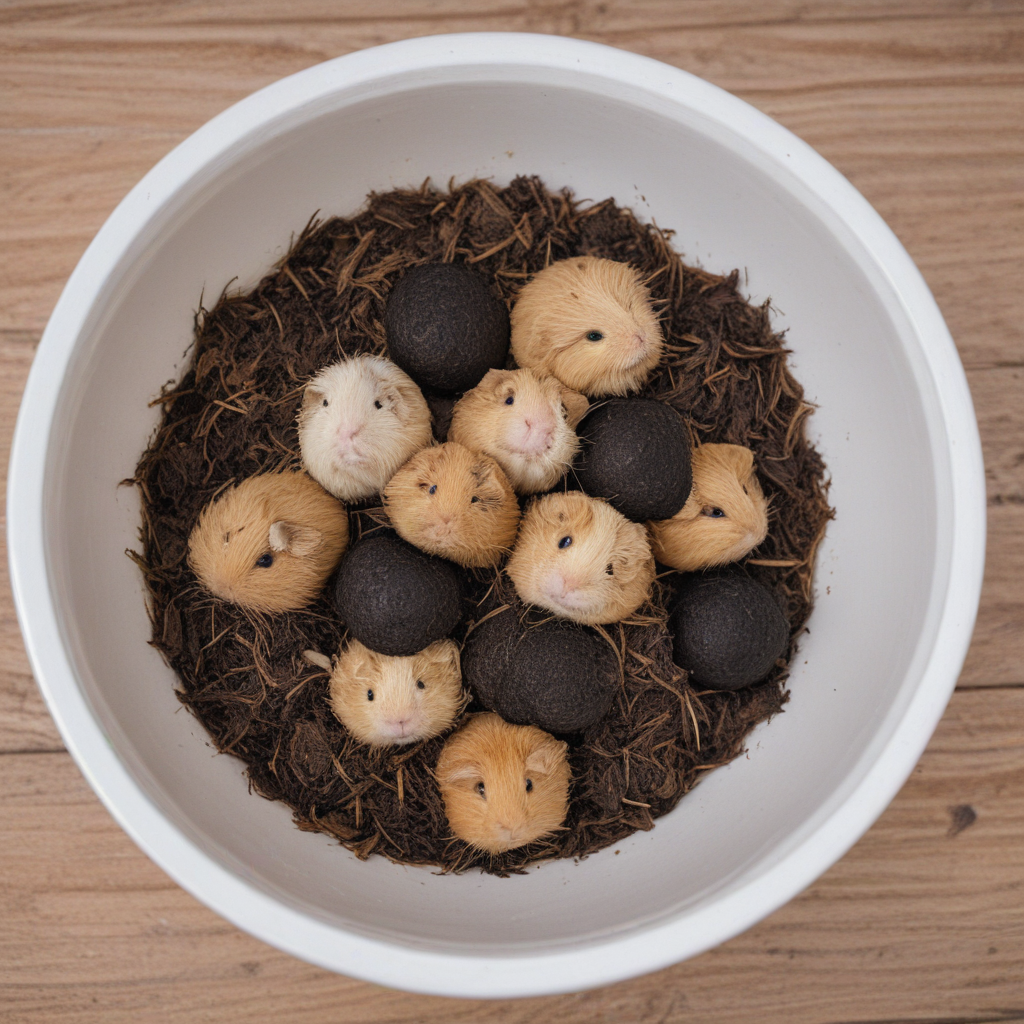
270 542
590 323
455 503
503 785
385 701
360 420
725 517
579 558
525 421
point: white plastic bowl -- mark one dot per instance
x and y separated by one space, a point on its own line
898 578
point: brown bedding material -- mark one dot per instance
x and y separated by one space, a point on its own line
233 412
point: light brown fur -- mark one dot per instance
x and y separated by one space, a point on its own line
533 439
401 710
472 515
696 538
574 581
564 302
287 517
483 772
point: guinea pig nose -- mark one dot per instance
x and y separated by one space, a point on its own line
639 340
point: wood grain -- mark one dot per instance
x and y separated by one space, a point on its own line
123 943
921 105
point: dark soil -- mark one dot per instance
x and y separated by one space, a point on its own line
233 415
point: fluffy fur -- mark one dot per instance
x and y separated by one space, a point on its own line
503 785
360 420
579 558
455 503
555 312
385 701
285 520
525 421
725 517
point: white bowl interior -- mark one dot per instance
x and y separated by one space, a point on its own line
730 206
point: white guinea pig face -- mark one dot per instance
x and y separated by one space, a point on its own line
394 701
360 420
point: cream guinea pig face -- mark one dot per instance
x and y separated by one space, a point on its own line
725 517
526 421
589 322
455 503
270 542
389 701
361 418
579 558
503 785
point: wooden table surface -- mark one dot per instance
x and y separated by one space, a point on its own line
921 105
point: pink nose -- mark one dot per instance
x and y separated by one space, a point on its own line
347 433
398 724
639 340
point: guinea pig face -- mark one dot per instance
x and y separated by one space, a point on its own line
589 322
525 421
269 543
386 701
455 503
579 558
360 420
725 517
503 785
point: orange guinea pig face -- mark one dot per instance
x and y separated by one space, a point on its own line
455 503
503 785
589 322
526 421
725 517
360 420
385 701
579 558
270 543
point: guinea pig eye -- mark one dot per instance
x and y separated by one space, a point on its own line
433 489
420 685
325 401
376 404
265 561
510 400
610 569
565 542
529 785
714 513
369 694
594 335
473 500
480 790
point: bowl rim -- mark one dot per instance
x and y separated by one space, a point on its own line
826 837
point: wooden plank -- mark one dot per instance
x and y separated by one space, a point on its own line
921 920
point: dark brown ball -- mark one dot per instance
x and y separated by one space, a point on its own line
729 630
444 328
557 675
394 598
636 454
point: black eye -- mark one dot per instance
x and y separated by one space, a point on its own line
509 400
265 561
480 790
325 401
369 694
474 499
433 488
594 335
610 569
376 405
714 513
529 785
420 685
565 542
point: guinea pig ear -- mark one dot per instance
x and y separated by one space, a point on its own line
465 771
576 405
547 757
493 379
312 396
294 539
